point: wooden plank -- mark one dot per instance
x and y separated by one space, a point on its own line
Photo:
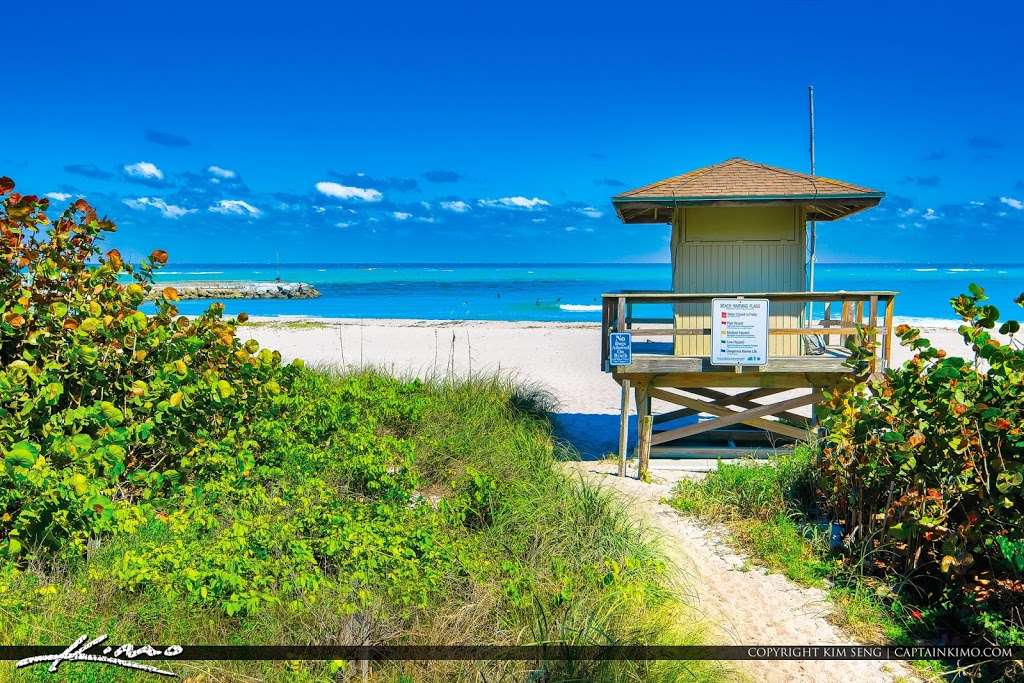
673 415
686 412
656 364
624 428
751 417
726 400
753 420
740 434
668 331
620 324
746 380
664 296
717 452
827 322
811 330
644 448
720 399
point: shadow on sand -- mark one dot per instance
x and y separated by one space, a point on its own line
597 435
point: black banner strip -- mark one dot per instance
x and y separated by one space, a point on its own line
540 652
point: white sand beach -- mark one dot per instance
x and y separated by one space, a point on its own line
564 358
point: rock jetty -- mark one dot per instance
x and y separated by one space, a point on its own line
226 289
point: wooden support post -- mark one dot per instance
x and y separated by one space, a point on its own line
827 321
813 429
887 352
847 320
873 318
644 448
624 428
644 427
606 321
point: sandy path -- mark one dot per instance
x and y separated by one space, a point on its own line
743 605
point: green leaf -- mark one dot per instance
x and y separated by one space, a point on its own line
52 391
111 412
1009 327
893 437
21 454
79 483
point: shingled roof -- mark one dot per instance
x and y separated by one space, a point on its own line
737 182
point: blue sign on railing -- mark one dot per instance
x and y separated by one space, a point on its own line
621 348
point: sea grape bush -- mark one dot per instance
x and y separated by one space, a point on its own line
118 424
925 468
103 406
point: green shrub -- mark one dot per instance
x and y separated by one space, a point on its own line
103 407
925 468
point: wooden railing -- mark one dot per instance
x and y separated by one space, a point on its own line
842 314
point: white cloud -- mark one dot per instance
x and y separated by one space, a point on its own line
342 225
517 202
976 203
144 169
570 228
236 207
59 196
221 172
590 212
930 215
908 212
339 191
320 209
166 210
1012 203
458 206
401 215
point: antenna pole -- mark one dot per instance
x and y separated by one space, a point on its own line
814 230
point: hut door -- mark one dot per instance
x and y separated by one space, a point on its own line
737 250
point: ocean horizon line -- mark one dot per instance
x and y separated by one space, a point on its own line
557 264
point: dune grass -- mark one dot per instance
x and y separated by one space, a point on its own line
515 552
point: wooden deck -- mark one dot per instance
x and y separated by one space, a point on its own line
733 399
830 362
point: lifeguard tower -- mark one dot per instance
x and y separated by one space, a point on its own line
739 253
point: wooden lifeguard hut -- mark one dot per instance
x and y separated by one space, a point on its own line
741 334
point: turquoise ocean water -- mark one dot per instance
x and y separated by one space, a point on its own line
550 292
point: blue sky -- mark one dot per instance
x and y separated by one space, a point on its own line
494 132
